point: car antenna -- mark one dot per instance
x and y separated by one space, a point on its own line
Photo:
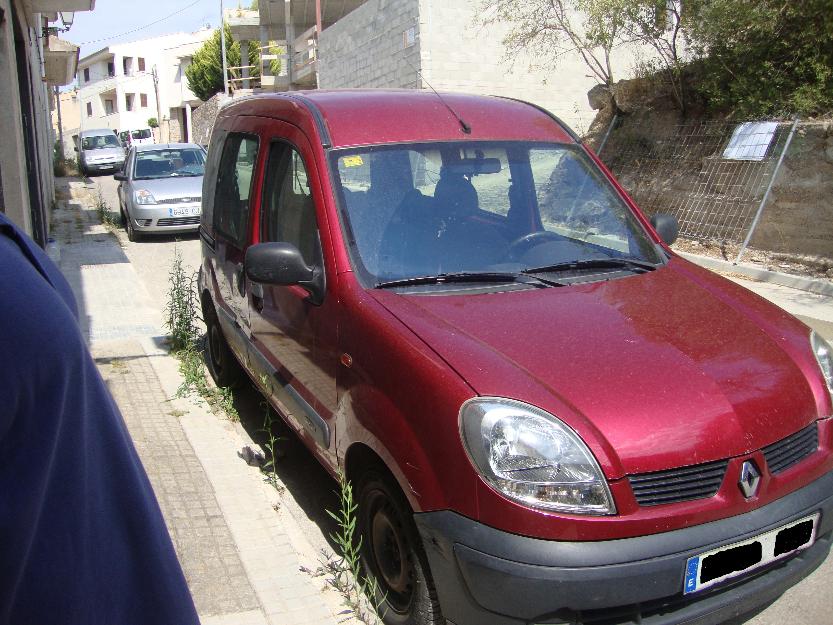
466 128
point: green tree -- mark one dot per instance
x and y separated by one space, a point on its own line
205 73
552 28
762 57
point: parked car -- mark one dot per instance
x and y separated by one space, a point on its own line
140 136
546 415
160 189
99 151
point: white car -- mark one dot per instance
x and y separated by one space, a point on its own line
160 189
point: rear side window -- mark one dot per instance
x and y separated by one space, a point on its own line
234 187
288 208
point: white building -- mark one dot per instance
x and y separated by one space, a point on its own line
118 85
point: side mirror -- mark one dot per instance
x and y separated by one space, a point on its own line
282 264
666 226
120 176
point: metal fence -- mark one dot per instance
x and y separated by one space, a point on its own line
714 177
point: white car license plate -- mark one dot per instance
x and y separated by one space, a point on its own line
184 211
715 566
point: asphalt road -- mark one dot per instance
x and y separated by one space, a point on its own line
808 603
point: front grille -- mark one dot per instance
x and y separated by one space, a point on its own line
179 221
790 451
693 482
182 200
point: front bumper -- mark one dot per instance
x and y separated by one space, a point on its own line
162 218
488 577
104 166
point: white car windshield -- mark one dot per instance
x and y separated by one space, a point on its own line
169 163
435 209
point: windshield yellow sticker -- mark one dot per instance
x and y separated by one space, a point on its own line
352 161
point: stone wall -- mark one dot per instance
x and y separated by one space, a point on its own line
202 119
377 45
662 169
798 219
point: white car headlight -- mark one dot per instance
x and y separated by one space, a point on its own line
143 196
532 457
824 355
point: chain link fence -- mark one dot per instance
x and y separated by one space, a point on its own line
713 176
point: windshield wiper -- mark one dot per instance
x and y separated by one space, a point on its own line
465 276
594 263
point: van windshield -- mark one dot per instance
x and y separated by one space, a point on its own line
100 142
168 163
440 208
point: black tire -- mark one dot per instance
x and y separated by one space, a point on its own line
392 554
221 362
132 235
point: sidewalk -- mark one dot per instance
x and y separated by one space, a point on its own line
241 558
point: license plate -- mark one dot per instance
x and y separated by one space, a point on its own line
718 565
184 211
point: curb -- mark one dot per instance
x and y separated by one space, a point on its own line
811 285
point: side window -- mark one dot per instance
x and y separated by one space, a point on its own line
234 186
288 209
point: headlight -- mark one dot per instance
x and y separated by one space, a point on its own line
824 355
143 196
532 457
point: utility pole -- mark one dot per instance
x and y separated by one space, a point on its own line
223 46
60 122
158 103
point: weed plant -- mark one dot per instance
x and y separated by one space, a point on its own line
103 210
269 467
360 592
182 320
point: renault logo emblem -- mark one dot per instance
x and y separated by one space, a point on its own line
750 479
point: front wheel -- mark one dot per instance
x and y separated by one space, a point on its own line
222 365
132 235
392 554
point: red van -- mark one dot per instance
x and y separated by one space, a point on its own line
546 415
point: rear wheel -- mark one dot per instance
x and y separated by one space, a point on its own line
392 554
222 365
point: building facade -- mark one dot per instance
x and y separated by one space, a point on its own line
123 86
33 61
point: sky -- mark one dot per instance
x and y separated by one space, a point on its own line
112 20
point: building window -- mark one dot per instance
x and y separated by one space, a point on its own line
141 64
111 69
128 101
143 99
89 109
86 74
127 65
109 108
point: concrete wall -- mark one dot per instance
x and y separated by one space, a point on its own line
369 48
377 45
798 219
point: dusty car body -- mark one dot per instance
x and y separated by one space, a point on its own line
547 416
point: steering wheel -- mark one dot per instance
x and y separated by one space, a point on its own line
521 245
